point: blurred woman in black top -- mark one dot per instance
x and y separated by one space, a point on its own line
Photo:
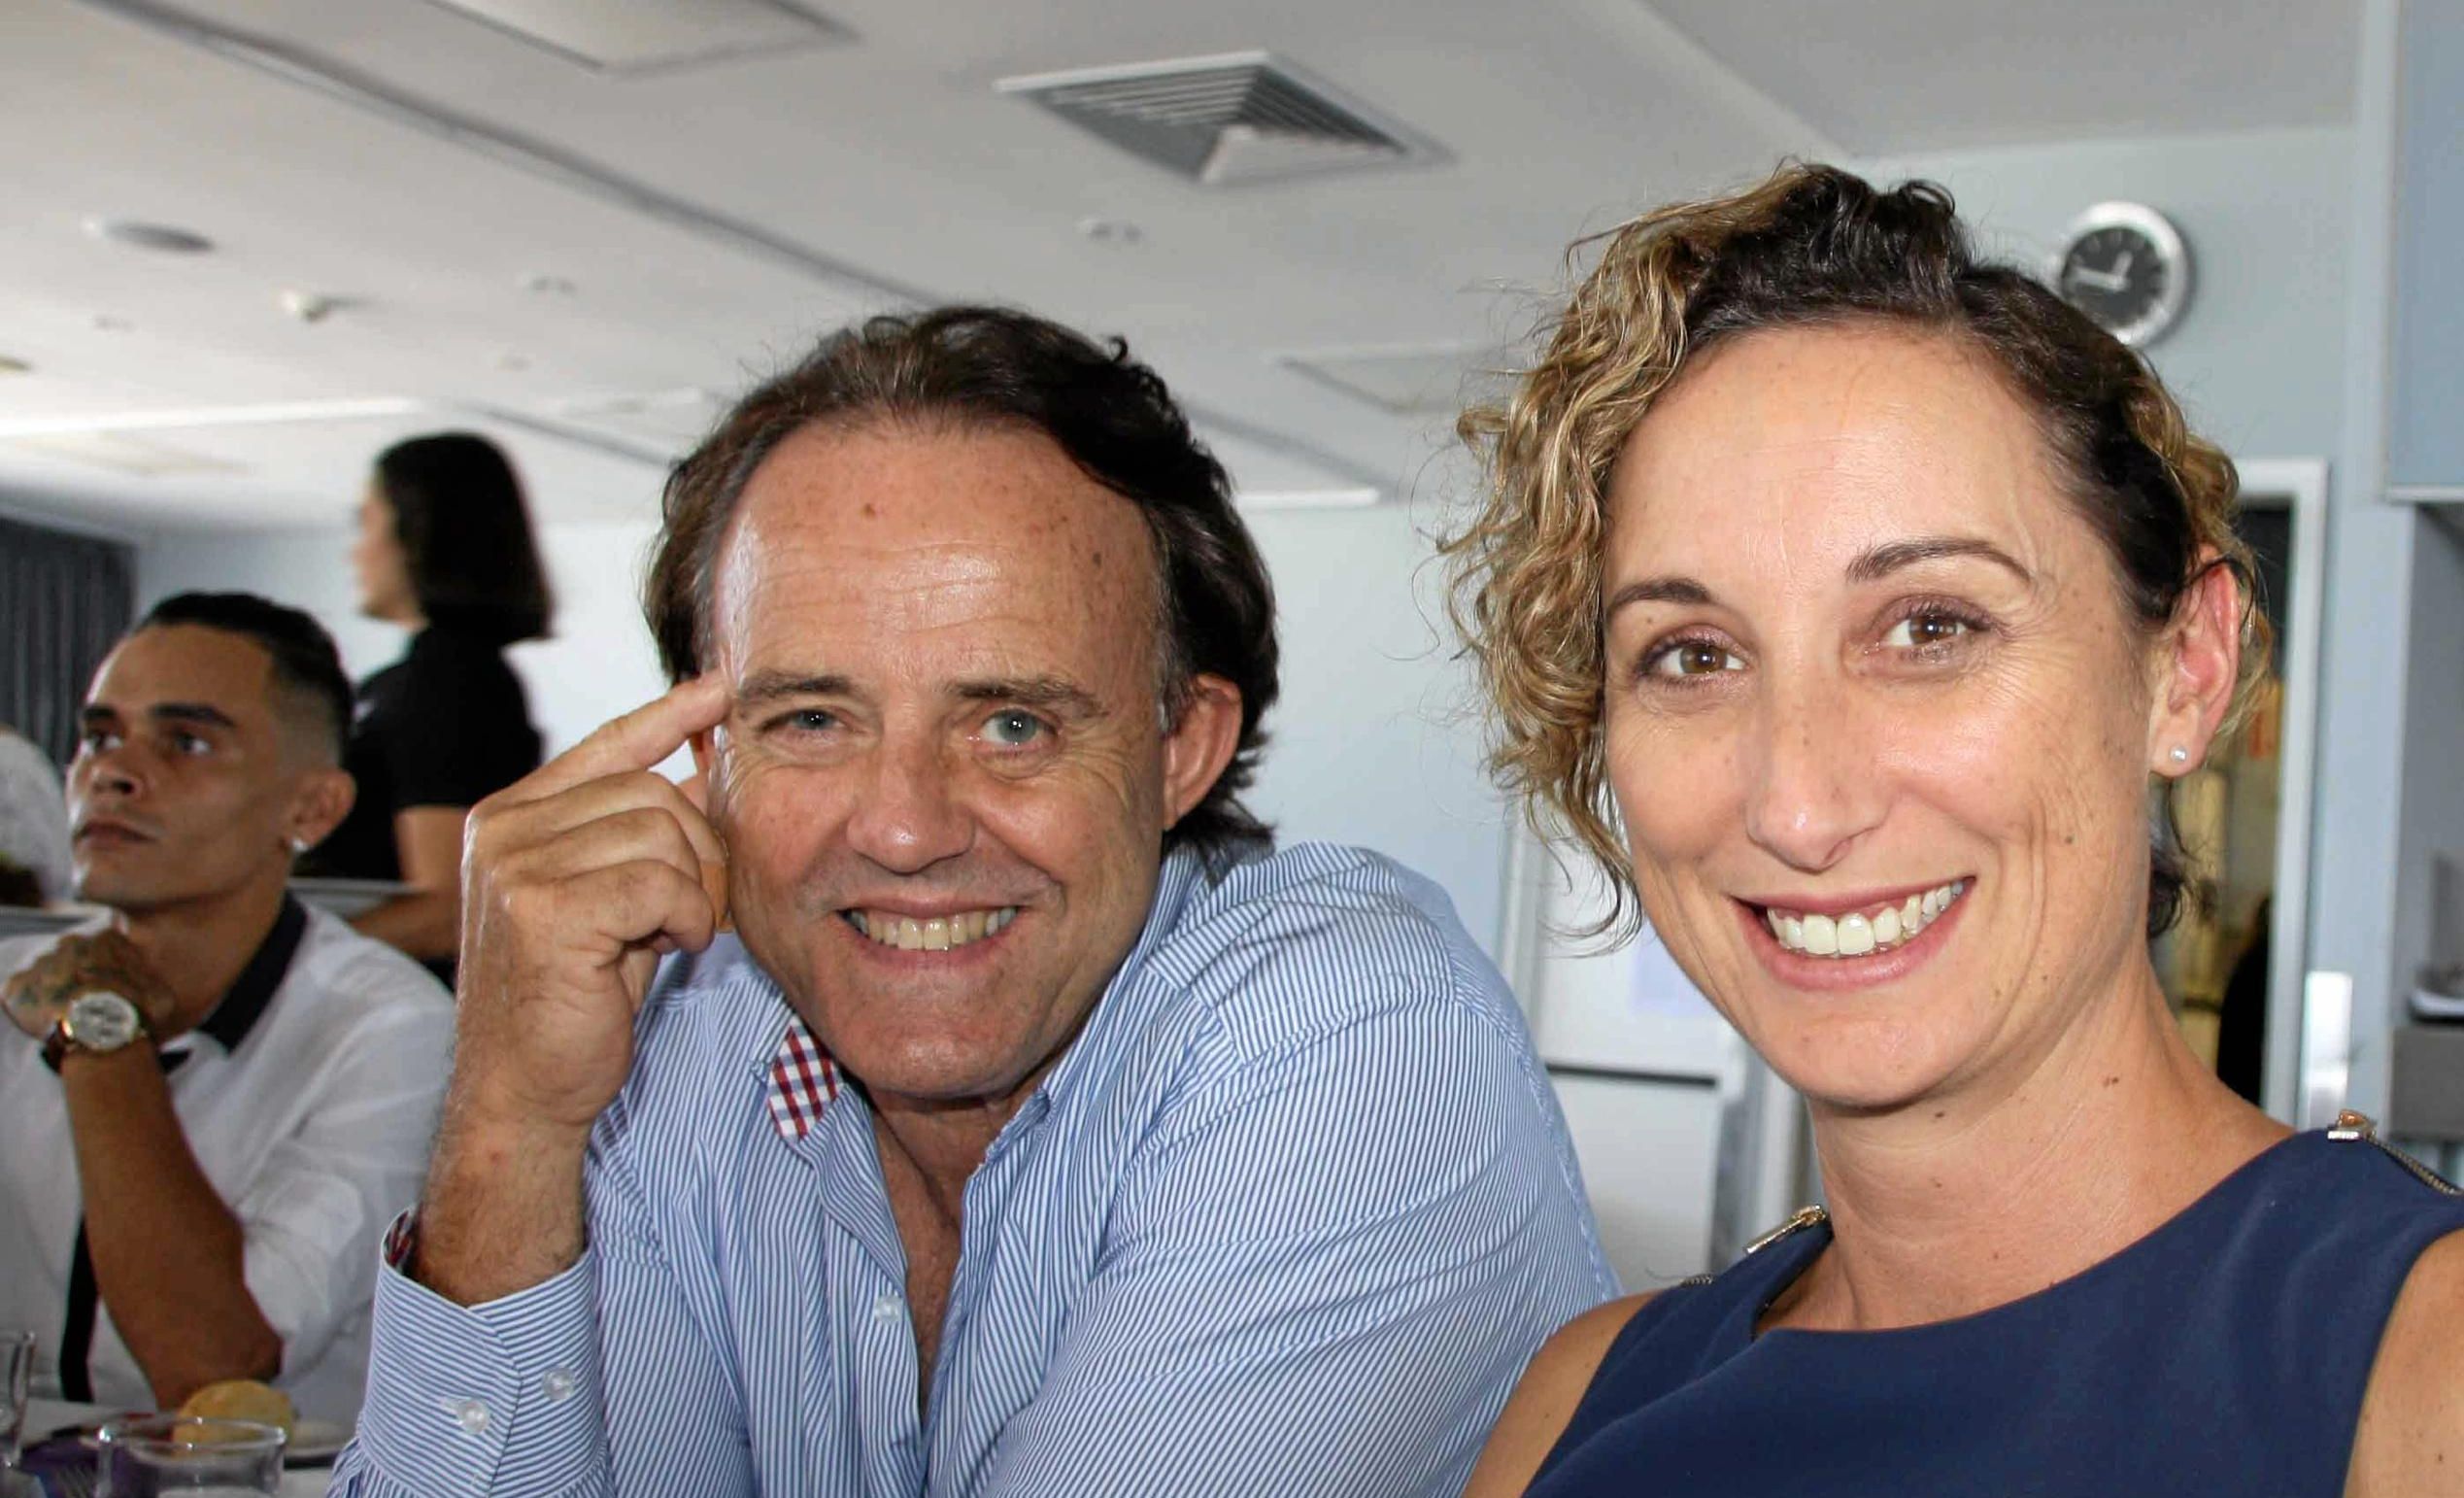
445 549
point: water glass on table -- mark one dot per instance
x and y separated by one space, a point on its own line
163 1455
17 1377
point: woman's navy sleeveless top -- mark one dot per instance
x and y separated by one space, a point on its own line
2225 1352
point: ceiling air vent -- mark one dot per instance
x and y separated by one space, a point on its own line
1246 116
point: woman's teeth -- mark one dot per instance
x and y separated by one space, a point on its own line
1856 935
937 935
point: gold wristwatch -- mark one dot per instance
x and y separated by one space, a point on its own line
98 1023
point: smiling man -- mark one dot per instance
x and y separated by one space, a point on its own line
215 1097
1041 1128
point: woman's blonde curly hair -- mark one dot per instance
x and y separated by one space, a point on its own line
1811 246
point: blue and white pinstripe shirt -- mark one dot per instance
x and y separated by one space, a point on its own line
1288 1218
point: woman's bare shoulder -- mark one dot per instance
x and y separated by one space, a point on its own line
1552 1386
2410 1440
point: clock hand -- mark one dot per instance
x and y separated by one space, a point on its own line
2103 281
2122 267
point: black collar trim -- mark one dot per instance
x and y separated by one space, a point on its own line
244 1002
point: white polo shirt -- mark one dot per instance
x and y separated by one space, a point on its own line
309 1097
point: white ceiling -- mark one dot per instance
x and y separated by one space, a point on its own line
1930 74
697 226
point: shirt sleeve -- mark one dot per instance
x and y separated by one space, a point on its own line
1343 1318
312 1214
517 1398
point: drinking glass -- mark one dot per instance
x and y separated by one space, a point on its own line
178 1456
17 1375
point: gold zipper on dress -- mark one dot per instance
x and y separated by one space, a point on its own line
1801 1218
2351 1125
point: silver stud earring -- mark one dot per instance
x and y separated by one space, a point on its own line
2181 756
300 845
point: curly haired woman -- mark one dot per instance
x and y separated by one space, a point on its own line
1845 595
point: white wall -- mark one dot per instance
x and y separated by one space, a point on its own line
1371 743
2258 358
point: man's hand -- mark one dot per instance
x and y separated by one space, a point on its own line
105 962
574 880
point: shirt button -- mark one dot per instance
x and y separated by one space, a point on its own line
470 1415
558 1385
887 1306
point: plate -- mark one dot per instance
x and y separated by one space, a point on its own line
347 898
314 1443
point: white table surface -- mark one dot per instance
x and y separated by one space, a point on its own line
45 1416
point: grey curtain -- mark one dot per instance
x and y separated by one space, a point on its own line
64 600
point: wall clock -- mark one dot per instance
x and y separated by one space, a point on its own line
2125 265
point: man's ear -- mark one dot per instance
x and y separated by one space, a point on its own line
323 799
696 787
2199 665
1200 744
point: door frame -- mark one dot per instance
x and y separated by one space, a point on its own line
2298 484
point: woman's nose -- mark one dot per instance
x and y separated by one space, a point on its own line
1817 783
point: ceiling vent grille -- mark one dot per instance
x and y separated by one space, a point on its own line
1247 116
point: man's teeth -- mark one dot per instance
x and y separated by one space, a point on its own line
937 935
1876 929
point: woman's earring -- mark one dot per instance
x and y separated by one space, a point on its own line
2181 756
300 845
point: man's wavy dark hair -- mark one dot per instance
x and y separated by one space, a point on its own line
993 367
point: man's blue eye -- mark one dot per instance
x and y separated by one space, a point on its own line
1013 728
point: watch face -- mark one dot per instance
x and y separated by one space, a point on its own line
2126 268
101 1022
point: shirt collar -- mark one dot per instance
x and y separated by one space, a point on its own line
244 1002
804 1079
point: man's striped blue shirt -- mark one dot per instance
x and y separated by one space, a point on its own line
1288 1218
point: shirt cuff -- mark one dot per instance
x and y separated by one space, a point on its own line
500 1398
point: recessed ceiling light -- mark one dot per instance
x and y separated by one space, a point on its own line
642 36
307 306
123 453
109 323
546 284
169 238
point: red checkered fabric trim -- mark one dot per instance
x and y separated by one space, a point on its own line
402 1241
802 1082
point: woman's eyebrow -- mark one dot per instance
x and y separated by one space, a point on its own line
1880 561
1658 590
1871 566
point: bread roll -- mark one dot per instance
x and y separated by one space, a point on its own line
242 1399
